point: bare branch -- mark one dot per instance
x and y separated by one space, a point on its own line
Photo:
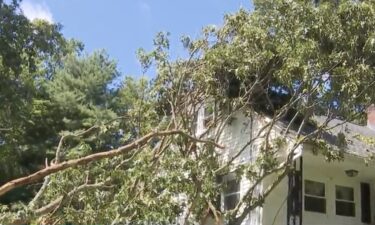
34 203
93 157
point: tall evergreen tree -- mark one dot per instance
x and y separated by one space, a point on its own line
28 53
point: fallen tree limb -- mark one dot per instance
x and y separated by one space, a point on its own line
53 205
32 178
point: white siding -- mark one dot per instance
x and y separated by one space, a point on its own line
237 134
275 205
255 217
274 211
234 137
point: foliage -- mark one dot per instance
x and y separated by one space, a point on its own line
281 63
28 51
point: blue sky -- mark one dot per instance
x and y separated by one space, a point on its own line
122 26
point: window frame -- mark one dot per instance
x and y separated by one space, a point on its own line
346 201
324 197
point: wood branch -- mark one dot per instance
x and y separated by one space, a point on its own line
55 204
284 167
93 157
290 124
205 217
81 133
217 214
58 150
34 203
190 208
269 125
262 198
247 196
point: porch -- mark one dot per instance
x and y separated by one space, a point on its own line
322 193
349 191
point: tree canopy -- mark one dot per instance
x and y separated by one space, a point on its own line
90 147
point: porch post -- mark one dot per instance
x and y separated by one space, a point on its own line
294 198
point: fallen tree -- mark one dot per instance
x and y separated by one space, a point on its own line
285 61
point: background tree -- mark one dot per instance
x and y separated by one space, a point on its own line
29 52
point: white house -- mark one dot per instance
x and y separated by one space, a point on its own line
318 192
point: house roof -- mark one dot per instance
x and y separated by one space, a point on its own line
359 140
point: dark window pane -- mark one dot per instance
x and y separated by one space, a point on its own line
315 204
231 201
232 186
344 193
365 203
345 208
314 188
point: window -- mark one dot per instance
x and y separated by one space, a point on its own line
231 194
345 205
315 200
